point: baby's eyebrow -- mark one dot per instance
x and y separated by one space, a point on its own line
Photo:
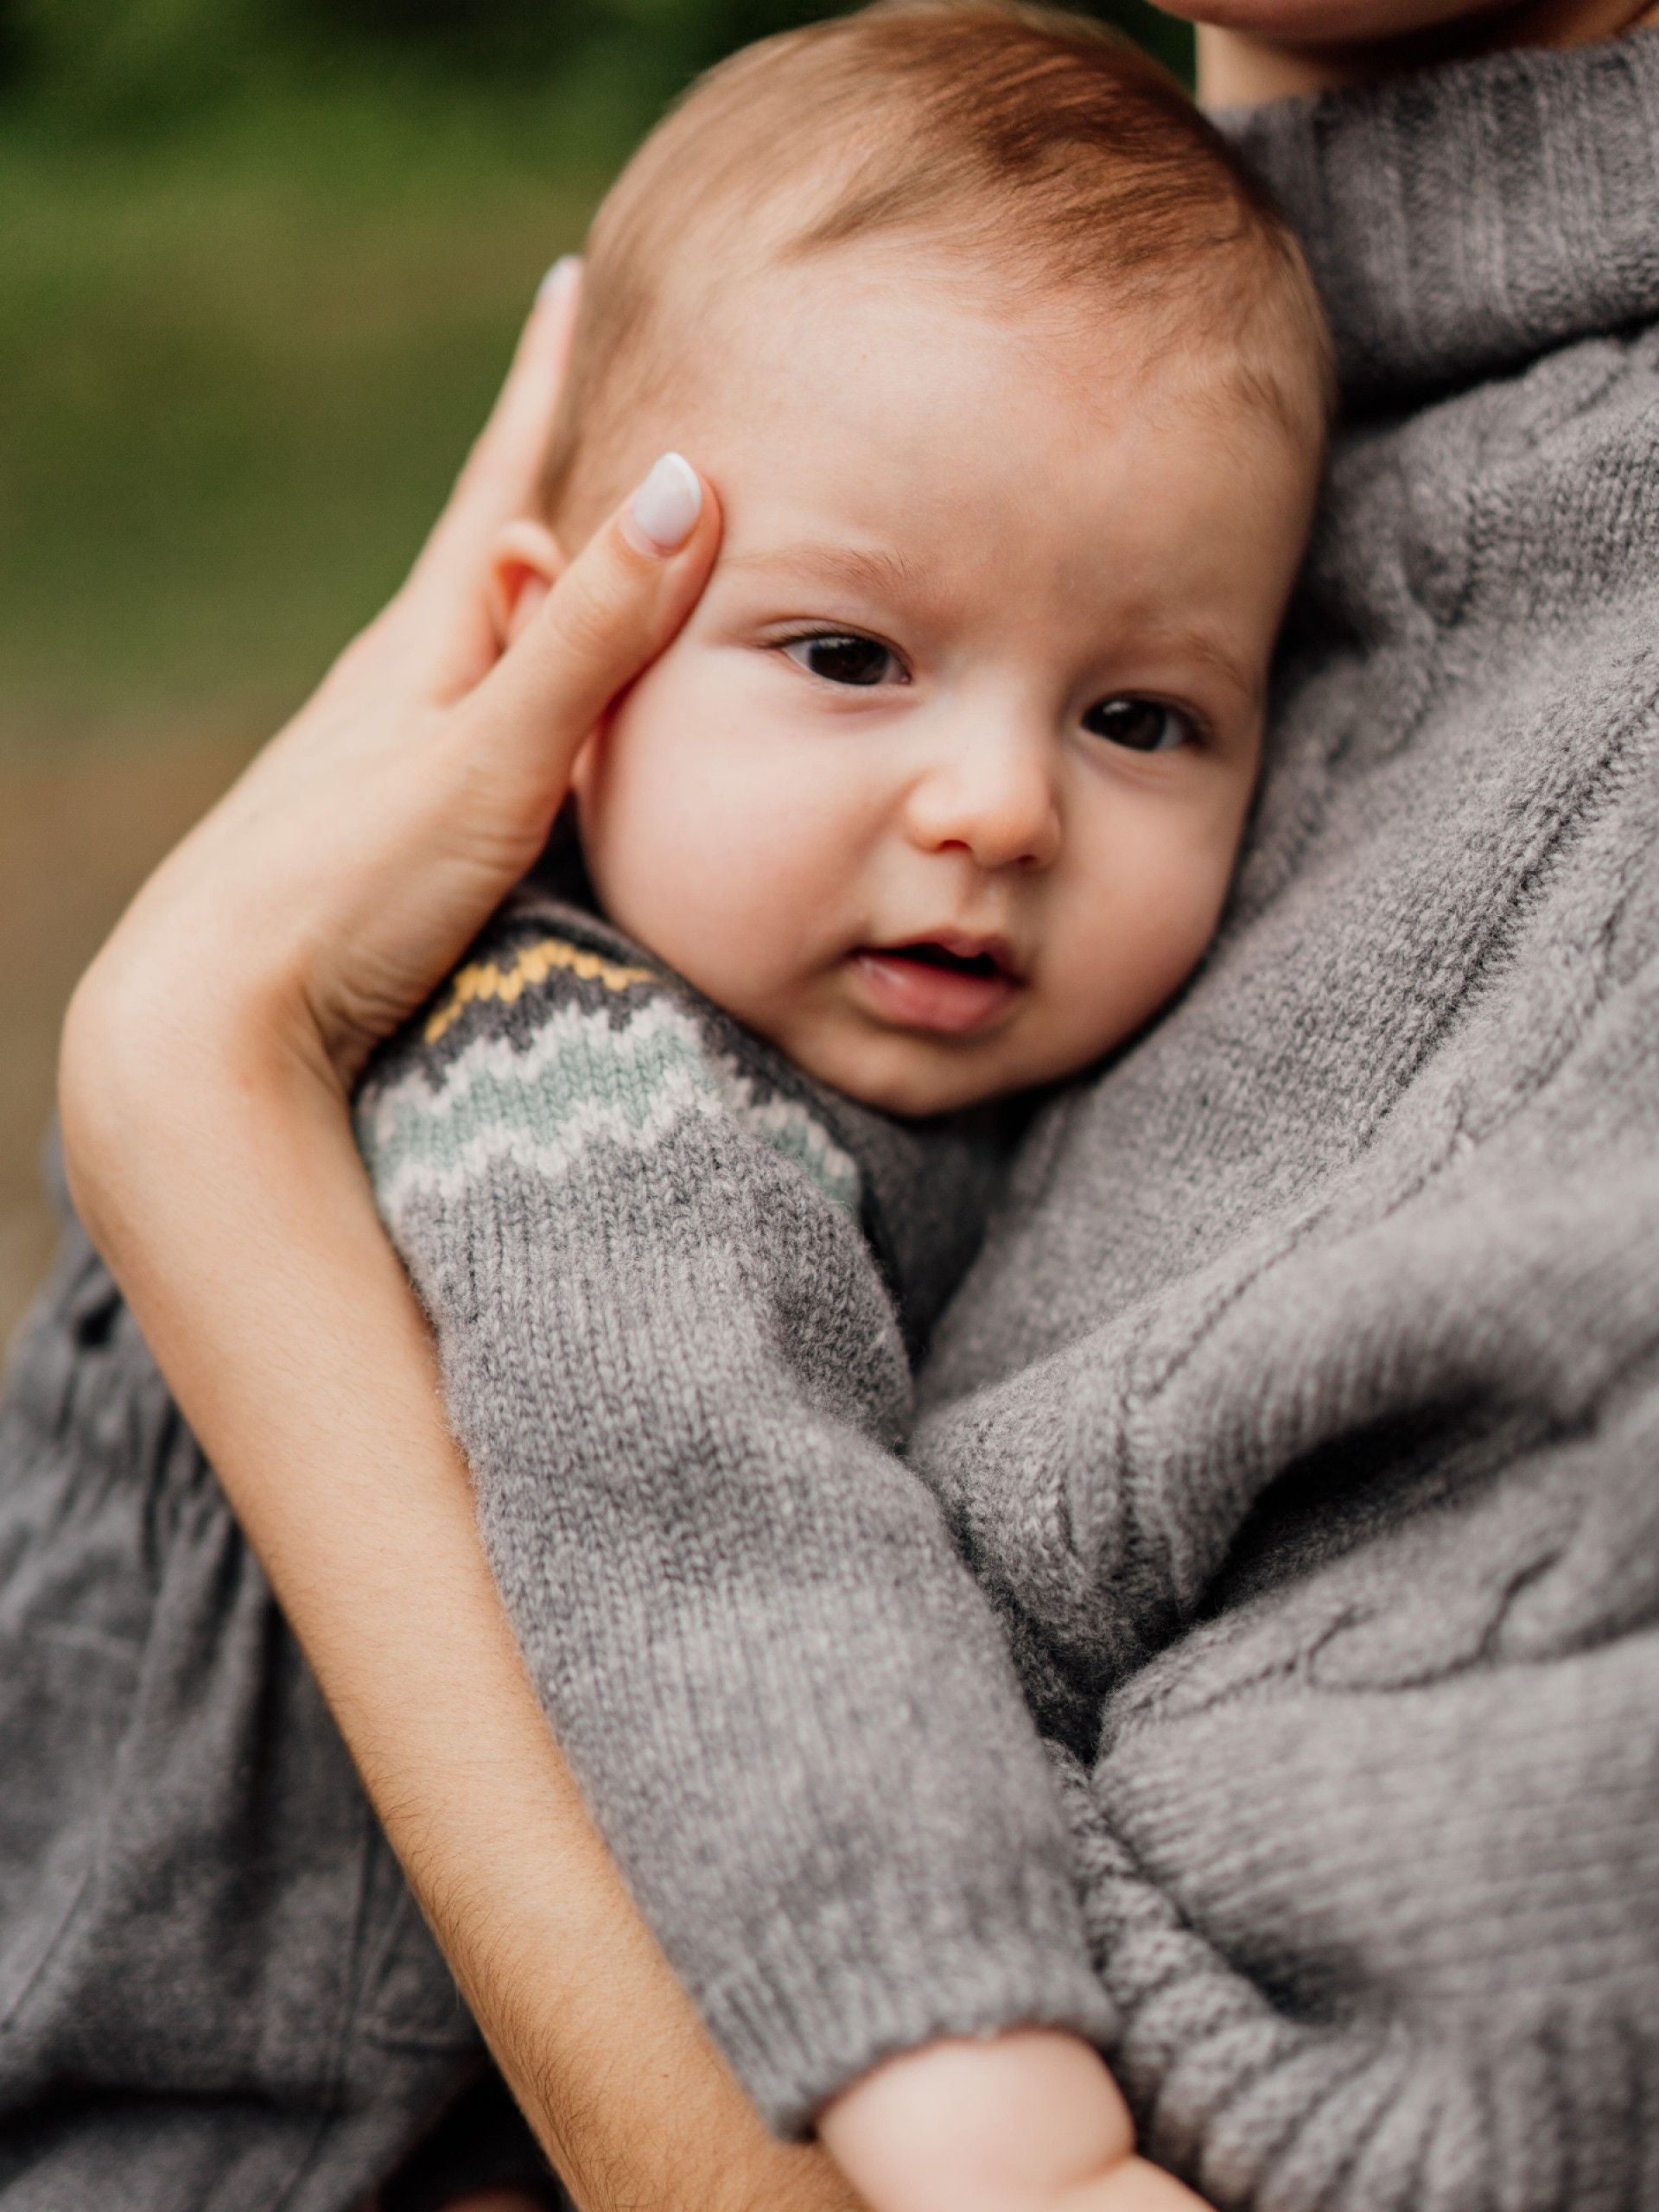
868 568
1195 644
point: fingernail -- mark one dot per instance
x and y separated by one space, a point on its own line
558 280
663 512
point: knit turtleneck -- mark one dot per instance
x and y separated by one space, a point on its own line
1461 220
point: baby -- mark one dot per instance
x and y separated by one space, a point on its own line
1013 391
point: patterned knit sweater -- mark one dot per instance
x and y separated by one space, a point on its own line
675 1284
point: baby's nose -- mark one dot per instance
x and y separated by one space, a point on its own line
993 795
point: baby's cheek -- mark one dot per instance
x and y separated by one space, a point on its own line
645 838
1157 938
686 892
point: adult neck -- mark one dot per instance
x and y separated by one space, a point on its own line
1239 68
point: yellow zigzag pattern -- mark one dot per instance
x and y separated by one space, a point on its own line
484 979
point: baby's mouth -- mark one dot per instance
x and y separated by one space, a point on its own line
951 987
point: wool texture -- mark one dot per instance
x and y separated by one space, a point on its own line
1297 1420
672 1282
1302 1409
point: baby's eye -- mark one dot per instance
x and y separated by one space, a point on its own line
1140 725
844 657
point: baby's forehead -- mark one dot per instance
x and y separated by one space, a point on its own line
927 457
1050 177
879 343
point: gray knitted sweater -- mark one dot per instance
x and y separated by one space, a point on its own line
1299 1421
675 1284
1302 1410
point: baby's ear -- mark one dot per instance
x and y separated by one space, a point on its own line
525 564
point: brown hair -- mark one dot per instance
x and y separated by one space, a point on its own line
1027 143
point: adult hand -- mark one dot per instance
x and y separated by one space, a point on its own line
204 1075
341 878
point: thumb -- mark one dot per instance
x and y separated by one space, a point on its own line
611 612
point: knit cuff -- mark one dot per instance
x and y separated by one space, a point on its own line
865 1976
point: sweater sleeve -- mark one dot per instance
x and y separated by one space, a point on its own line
679 1376
1446 2001
1371 1852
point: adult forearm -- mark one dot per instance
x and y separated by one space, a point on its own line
297 1352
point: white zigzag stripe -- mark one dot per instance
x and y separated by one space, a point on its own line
548 1154
705 1083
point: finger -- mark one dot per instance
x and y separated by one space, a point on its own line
612 611
499 479
501 473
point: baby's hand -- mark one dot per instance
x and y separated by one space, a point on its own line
1029 2121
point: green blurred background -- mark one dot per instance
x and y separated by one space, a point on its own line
261 264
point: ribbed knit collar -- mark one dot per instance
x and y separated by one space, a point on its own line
1461 220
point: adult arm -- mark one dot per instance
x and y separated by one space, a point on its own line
298 1353
205 1064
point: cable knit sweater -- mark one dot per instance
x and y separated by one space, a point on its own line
1302 1410
1300 1418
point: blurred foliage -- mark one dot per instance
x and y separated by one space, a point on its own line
261 263
239 372
141 61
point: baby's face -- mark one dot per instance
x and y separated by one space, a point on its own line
941 785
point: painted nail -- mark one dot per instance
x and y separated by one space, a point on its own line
558 280
663 512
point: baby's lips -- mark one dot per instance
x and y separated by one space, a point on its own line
975 944
947 1001
948 943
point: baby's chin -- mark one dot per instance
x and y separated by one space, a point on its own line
914 1079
